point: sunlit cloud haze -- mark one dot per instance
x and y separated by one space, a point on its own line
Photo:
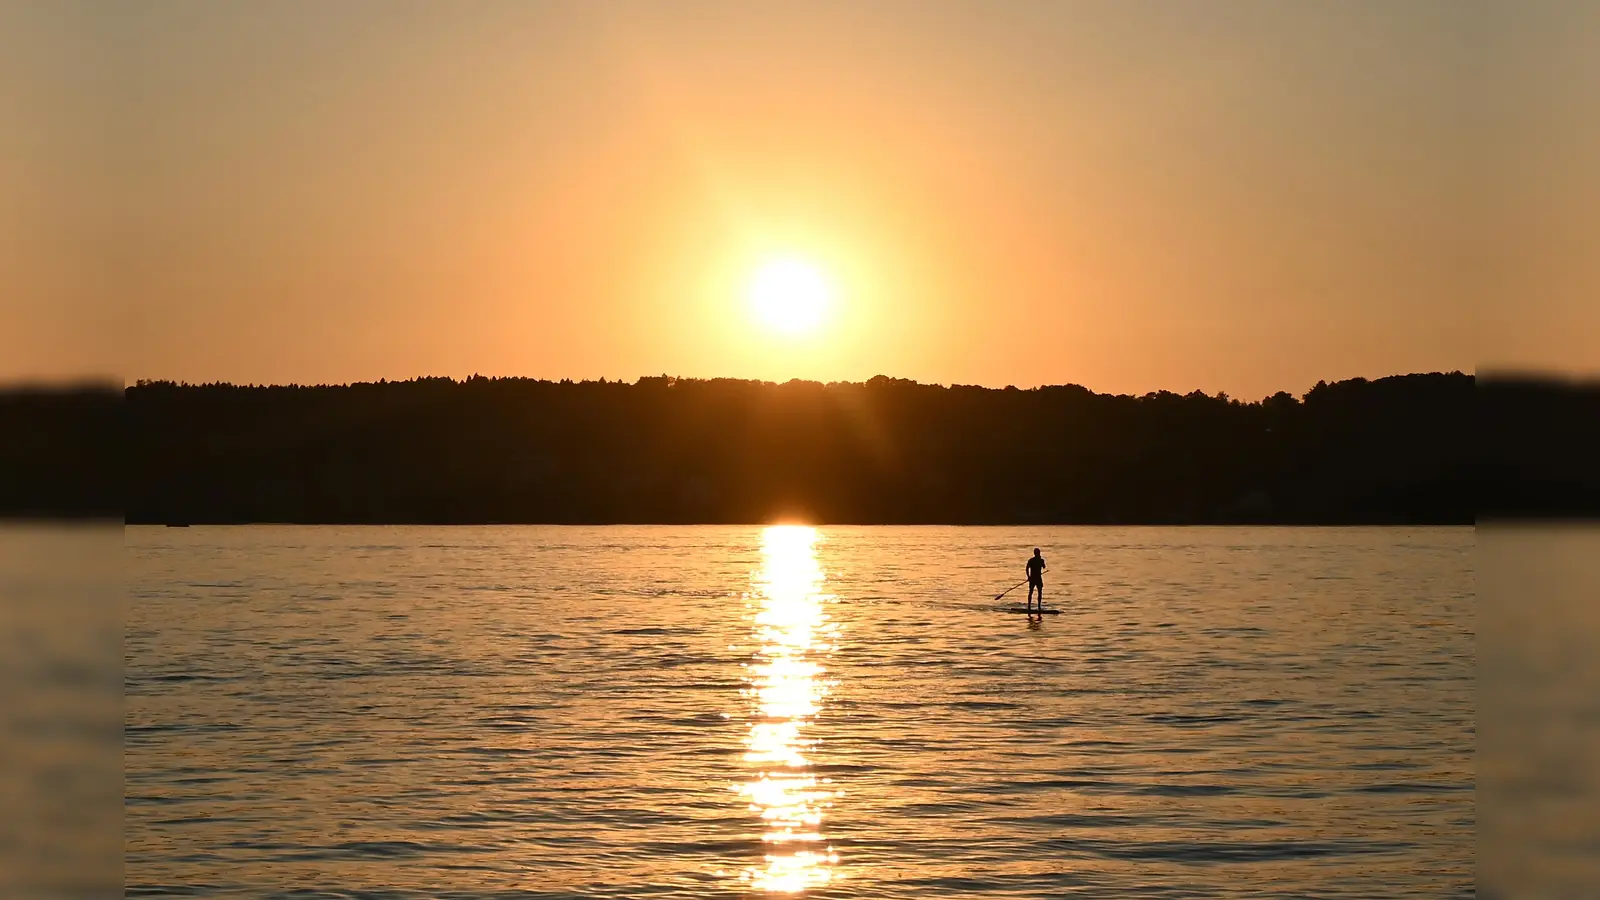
1239 196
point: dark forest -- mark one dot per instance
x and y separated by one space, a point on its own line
483 450
1413 449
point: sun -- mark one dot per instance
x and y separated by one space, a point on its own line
790 297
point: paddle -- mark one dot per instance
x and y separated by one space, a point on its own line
1010 589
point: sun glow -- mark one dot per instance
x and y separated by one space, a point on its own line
790 297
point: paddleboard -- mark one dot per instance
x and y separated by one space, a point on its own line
1042 612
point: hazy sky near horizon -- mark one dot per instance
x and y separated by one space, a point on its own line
1245 195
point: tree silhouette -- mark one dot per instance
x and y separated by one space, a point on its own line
678 450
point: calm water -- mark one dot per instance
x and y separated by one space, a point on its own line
701 712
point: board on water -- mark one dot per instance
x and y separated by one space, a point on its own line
1041 612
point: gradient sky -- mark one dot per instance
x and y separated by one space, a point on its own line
1239 196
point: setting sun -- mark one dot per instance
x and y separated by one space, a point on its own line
656 403
790 297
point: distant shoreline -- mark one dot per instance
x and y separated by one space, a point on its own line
1409 451
1296 525
888 451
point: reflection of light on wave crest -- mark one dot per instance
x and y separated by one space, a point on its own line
787 687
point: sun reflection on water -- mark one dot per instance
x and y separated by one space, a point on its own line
787 687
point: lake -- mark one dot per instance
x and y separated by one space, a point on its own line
535 712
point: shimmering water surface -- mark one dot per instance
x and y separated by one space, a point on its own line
839 712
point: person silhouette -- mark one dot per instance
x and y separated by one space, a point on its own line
1036 569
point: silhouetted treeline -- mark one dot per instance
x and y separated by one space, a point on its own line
62 451
1420 448
1540 444
1395 450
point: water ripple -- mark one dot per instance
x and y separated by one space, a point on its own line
472 713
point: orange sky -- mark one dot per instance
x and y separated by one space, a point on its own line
1239 196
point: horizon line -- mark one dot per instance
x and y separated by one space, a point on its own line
673 379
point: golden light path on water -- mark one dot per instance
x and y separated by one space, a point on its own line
786 684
